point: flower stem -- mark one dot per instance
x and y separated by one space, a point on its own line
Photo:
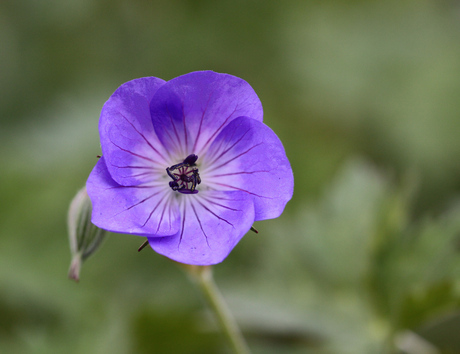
203 276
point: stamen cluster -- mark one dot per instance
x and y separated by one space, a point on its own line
185 176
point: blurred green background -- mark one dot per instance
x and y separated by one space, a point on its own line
364 96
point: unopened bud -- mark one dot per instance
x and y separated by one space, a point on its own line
85 237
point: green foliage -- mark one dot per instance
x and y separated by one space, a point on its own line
368 267
149 325
365 256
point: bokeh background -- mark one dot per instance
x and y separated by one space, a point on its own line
364 96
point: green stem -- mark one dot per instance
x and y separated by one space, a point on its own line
203 277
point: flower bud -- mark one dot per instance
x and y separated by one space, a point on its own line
85 238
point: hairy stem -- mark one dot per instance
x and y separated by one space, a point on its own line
203 277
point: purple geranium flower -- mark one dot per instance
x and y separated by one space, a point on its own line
189 164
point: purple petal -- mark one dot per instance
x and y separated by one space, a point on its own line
129 144
189 111
248 156
213 223
141 210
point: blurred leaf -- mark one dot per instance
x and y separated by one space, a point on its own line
179 333
418 272
421 306
387 71
359 263
443 332
337 233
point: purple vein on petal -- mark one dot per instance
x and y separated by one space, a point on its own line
138 203
179 143
137 186
163 213
133 167
133 153
218 204
199 222
229 148
216 149
146 100
165 129
151 169
217 216
156 207
169 214
201 122
138 175
242 190
234 158
185 127
224 142
211 138
145 139
238 173
183 225
222 198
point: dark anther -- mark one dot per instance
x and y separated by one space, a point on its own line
174 185
191 159
185 176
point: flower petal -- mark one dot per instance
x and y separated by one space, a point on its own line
140 210
129 143
213 223
248 156
189 111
